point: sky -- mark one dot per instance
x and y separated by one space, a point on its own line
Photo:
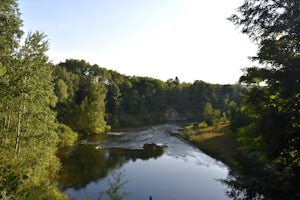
163 39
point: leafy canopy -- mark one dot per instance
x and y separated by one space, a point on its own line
273 140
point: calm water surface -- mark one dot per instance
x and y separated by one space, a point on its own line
154 163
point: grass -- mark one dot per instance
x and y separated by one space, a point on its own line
218 142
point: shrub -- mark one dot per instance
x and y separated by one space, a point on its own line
66 135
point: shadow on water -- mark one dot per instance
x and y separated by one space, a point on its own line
156 164
86 163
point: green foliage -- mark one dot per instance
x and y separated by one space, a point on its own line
217 116
28 164
219 143
187 132
28 125
89 115
249 139
61 90
238 118
81 94
66 136
189 127
211 116
10 179
11 33
136 101
208 113
202 125
129 101
270 153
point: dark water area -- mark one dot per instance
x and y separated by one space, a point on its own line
153 162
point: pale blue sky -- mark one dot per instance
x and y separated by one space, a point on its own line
162 39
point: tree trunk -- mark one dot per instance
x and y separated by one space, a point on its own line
20 121
18 141
6 124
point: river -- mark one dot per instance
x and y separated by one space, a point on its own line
153 163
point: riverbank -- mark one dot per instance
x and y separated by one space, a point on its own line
218 142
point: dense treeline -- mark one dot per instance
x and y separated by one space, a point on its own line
91 99
268 123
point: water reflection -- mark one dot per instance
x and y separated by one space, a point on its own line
86 163
154 162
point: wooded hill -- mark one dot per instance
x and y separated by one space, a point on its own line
91 98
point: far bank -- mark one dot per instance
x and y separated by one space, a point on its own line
217 141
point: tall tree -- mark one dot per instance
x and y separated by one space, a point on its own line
10 35
27 121
10 29
30 135
273 141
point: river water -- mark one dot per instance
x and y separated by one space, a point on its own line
153 163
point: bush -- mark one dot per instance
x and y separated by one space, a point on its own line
202 125
66 135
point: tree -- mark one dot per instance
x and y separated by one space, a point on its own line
274 107
66 136
11 33
33 90
81 91
90 116
208 113
61 89
29 124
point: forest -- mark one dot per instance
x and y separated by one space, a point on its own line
46 106
92 99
